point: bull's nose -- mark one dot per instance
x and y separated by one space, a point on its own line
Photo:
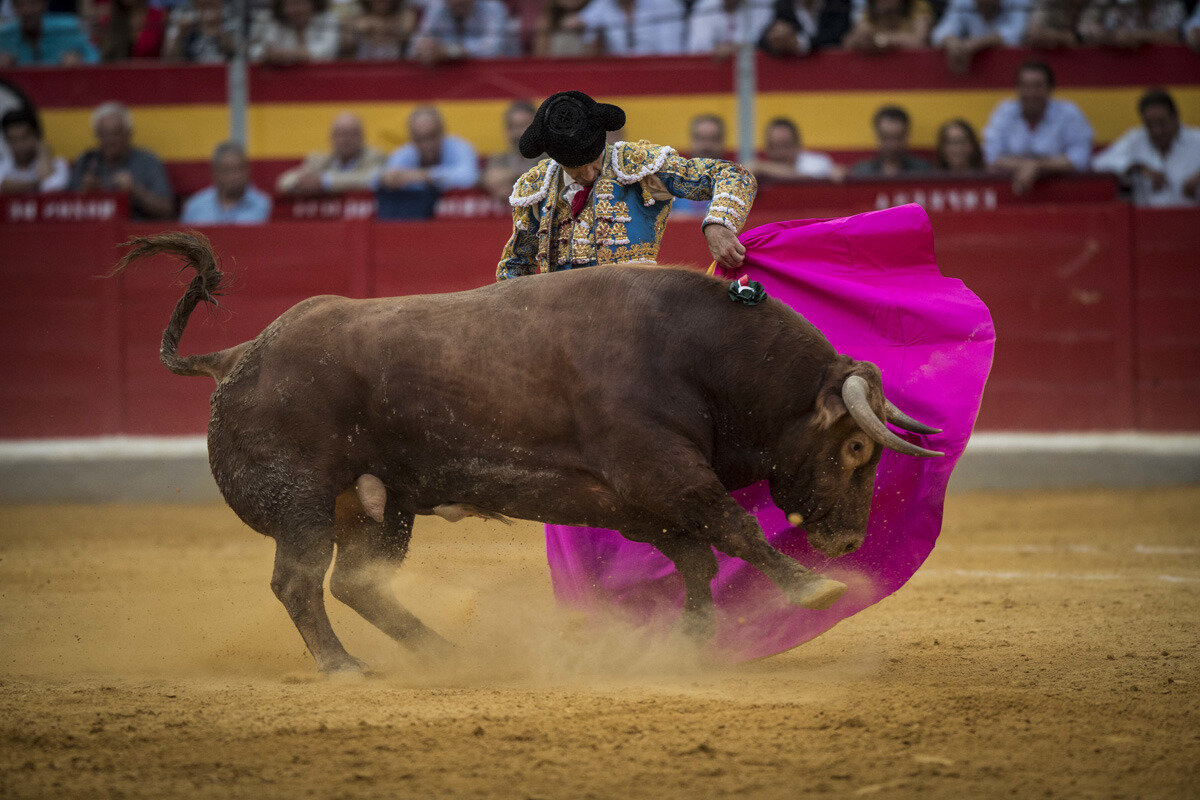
836 545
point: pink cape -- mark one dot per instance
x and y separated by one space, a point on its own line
871 285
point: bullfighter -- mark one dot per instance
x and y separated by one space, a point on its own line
592 204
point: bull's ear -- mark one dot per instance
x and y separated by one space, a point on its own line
829 407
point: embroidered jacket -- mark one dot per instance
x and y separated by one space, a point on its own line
626 214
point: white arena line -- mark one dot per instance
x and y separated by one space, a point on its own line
1079 549
1024 548
1155 550
1052 576
104 447
981 443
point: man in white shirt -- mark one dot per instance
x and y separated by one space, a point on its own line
1035 134
31 167
1159 160
718 27
785 156
635 27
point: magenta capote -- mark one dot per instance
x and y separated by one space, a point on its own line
871 284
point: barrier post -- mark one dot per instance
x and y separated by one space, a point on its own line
744 85
236 77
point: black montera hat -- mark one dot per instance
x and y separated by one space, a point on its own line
570 127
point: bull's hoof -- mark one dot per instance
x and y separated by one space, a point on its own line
818 592
345 666
697 626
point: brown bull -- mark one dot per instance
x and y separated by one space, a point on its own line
628 398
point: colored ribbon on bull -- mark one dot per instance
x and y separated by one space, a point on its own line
871 284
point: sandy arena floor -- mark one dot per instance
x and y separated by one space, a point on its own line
1049 648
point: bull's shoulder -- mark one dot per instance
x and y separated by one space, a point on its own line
633 161
534 186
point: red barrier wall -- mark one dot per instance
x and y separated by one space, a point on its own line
1166 277
1094 306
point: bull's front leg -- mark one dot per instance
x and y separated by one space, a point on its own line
697 566
735 532
704 510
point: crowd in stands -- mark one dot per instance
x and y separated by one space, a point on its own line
1032 135
64 32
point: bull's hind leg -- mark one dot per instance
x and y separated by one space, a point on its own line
368 554
298 580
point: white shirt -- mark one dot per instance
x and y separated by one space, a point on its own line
814 165
711 25
1063 130
1180 165
56 181
655 28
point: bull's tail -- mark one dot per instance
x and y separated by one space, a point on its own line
194 248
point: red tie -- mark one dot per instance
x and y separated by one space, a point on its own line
580 200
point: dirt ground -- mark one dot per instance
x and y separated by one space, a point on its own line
1048 648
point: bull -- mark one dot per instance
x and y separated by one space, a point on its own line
629 398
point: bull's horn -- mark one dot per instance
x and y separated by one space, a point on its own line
904 421
854 395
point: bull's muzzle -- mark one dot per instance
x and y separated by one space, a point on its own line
836 544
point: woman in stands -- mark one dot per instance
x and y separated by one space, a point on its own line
379 31
891 25
958 147
297 32
560 31
132 29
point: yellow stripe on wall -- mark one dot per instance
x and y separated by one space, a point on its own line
175 133
828 120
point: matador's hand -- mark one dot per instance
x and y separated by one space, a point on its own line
725 248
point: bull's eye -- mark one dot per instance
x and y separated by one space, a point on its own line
855 453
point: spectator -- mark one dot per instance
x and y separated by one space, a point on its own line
892 158
707 137
560 30
32 166
231 200
797 28
298 31
718 27
958 147
1056 23
1036 135
891 25
1159 160
786 158
380 31
115 165
352 165
35 38
1133 23
706 140
1191 30
635 27
969 26
453 29
417 173
503 169
132 29
201 31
